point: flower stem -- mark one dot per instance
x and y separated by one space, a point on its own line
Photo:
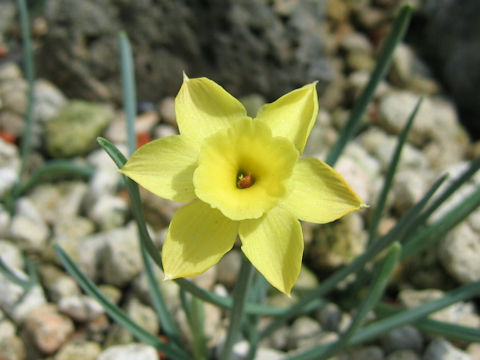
238 310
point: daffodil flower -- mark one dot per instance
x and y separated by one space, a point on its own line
240 176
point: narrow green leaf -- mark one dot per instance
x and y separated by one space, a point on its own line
374 294
30 76
26 284
383 63
164 316
197 324
53 170
382 200
427 236
134 194
115 312
412 315
237 314
435 327
330 283
129 91
444 195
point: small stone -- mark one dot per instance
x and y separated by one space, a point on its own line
145 122
474 351
382 147
339 242
360 61
409 186
74 129
357 81
57 283
306 282
207 279
403 338
329 317
121 257
28 226
214 329
11 255
104 181
48 100
101 160
144 315
371 352
459 254
48 329
167 111
395 109
355 41
279 338
401 71
59 201
4 221
111 292
355 176
10 70
441 349
7 330
164 130
228 268
9 166
12 349
108 212
80 308
302 331
462 313
128 352
14 95
403 355
85 350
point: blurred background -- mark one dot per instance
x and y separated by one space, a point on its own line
249 46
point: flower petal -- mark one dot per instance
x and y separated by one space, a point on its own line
197 239
319 194
274 245
164 167
203 107
293 115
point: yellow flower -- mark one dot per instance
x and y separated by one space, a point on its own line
240 176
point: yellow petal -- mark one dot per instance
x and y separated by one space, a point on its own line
197 239
293 115
274 245
247 148
164 167
319 194
203 107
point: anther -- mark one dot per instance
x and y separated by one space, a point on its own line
245 181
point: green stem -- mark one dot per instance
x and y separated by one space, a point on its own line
383 63
129 90
30 75
238 310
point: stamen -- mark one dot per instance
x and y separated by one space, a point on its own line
244 180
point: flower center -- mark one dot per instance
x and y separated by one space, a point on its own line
244 179
243 169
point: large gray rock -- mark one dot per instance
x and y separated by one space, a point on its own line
248 46
447 35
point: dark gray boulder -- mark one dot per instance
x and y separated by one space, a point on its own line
247 46
447 34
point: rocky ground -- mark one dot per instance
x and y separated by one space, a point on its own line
90 217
